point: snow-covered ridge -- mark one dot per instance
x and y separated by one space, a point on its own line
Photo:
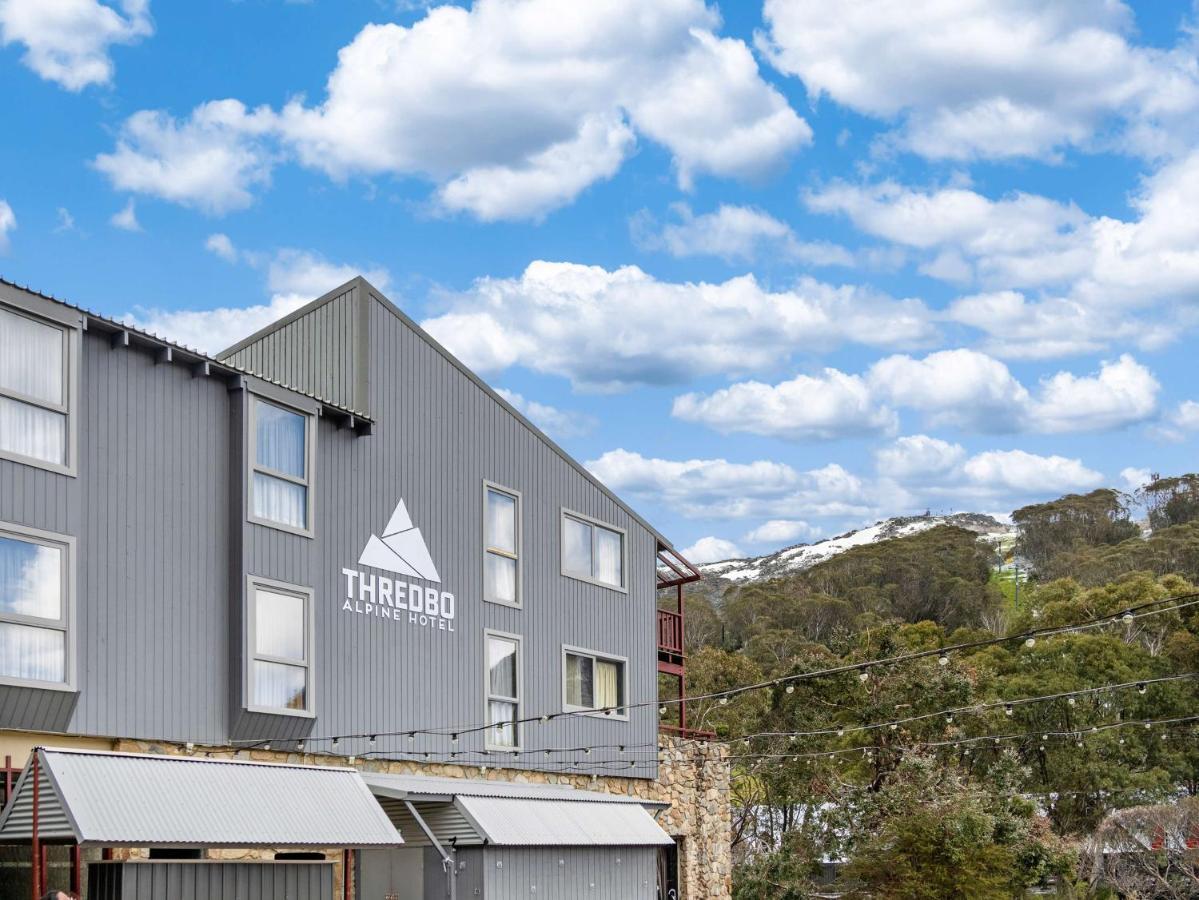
804 556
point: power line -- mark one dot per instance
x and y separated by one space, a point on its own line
1027 638
1077 734
841 730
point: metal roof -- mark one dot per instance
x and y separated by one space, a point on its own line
103 799
109 324
428 787
507 822
506 813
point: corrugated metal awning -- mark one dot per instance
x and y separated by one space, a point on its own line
530 815
103 799
561 823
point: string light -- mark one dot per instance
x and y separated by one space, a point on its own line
1029 640
943 659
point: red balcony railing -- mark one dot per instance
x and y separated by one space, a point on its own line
670 632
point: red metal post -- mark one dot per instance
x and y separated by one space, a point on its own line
683 673
76 869
35 861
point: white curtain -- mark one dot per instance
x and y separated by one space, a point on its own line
31 431
31 358
502 683
576 547
608 556
501 578
279 439
32 653
501 659
580 681
278 686
30 579
502 716
279 625
501 522
607 684
280 501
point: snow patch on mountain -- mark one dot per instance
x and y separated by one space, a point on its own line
803 556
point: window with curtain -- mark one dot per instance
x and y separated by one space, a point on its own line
501 550
280 668
280 478
33 608
33 389
503 692
592 551
593 682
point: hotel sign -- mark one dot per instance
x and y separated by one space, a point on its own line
412 592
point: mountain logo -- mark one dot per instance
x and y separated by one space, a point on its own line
401 549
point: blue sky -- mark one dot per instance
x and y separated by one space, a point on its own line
773 270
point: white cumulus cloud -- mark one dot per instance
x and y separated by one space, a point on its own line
989 78
8 224
126 218
734 232
781 531
221 245
711 549
294 277
211 161
1122 392
510 108
557 423
959 388
825 406
609 330
717 487
68 41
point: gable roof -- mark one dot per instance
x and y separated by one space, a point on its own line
369 290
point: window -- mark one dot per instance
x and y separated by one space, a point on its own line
501 545
281 456
592 551
35 608
592 681
503 690
280 670
34 391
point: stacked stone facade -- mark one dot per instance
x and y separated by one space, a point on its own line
693 777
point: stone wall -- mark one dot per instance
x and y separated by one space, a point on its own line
693 777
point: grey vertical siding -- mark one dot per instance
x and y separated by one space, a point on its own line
164 549
181 880
314 351
606 873
149 512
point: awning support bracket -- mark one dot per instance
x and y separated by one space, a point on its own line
447 861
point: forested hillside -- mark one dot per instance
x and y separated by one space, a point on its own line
988 765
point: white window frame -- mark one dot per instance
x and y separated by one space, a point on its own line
308 482
488 696
251 655
71 343
596 656
595 523
487 549
66 621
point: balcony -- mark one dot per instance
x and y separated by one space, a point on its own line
670 633
673 572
